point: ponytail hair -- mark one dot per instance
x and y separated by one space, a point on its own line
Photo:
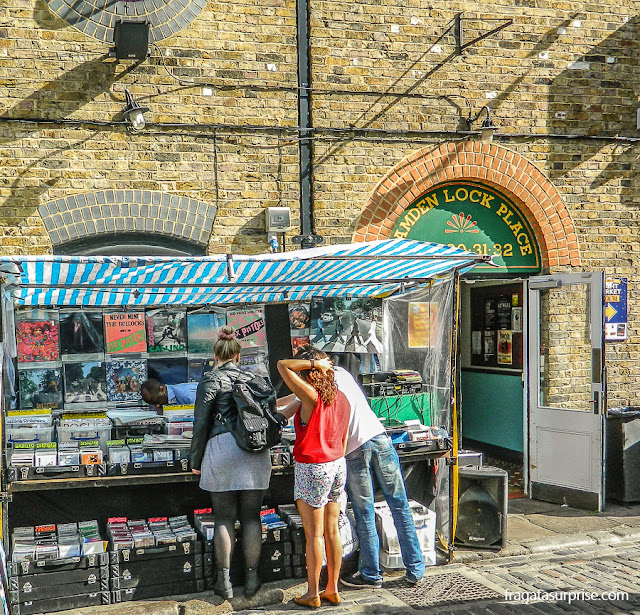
227 346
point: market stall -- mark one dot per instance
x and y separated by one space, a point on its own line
80 335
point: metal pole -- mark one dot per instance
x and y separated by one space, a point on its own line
307 238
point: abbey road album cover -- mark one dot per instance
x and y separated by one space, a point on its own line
85 382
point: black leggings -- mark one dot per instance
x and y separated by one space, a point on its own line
227 507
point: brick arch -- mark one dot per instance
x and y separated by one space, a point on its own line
536 197
144 212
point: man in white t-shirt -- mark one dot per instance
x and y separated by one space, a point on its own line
370 452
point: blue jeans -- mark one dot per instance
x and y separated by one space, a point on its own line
377 456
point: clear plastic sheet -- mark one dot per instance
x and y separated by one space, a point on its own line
417 335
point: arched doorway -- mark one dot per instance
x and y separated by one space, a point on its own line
487 199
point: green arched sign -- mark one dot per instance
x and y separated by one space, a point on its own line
473 217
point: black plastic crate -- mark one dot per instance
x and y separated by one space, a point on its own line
58 584
30 607
153 572
188 547
70 563
144 592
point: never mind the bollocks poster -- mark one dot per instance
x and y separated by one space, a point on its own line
125 332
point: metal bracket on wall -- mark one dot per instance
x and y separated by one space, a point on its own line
458 30
307 241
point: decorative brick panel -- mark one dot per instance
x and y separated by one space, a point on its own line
516 177
128 211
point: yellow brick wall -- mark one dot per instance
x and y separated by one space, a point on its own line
561 68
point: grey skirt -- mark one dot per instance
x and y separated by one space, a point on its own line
225 467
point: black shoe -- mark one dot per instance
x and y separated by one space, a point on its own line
251 583
222 587
358 581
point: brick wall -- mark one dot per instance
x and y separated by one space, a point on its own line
561 68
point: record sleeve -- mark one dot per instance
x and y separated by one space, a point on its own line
37 336
202 331
250 327
298 342
339 324
125 332
81 333
85 382
167 330
199 367
256 362
168 371
40 387
124 378
299 316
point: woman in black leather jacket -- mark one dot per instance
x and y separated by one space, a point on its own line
237 479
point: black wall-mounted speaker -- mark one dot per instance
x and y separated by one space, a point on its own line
482 507
131 40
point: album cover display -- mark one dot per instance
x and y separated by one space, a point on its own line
298 342
255 362
124 377
299 316
250 327
168 371
40 387
202 330
167 330
85 382
81 333
37 336
196 368
125 332
347 325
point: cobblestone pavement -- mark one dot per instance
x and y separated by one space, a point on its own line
551 583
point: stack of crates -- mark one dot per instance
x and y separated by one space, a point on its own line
277 549
58 584
161 557
425 524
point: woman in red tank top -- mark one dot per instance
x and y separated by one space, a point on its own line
321 425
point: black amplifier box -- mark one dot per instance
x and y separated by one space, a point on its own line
152 572
29 607
58 584
385 389
144 592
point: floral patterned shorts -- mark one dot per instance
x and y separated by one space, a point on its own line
319 483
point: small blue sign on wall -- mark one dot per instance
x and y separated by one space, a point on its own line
615 309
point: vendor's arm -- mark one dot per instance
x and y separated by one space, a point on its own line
202 421
286 400
291 408
307 395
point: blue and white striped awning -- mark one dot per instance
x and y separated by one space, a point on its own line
376 268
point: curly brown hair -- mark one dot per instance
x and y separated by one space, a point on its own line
325 384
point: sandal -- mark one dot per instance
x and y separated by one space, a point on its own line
331 598
310 603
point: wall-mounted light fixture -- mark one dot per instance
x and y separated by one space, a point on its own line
133 113
487 128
